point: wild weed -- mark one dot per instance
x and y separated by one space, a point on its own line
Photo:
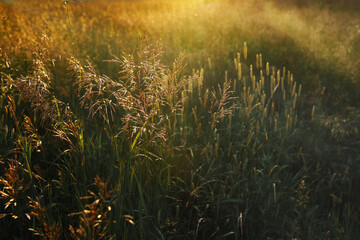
141 146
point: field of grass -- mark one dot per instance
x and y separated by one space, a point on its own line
182 119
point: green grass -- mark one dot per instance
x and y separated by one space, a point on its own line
155 120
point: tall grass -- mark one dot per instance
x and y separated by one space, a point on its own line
321 44
141 146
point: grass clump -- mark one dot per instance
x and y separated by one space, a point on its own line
141 147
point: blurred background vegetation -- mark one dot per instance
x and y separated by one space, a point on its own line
202 119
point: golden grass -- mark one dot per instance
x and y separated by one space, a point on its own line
179 148
204 30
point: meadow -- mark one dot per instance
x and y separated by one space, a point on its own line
182 119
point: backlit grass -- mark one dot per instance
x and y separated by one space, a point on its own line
179 120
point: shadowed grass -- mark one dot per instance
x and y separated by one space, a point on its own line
141 146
